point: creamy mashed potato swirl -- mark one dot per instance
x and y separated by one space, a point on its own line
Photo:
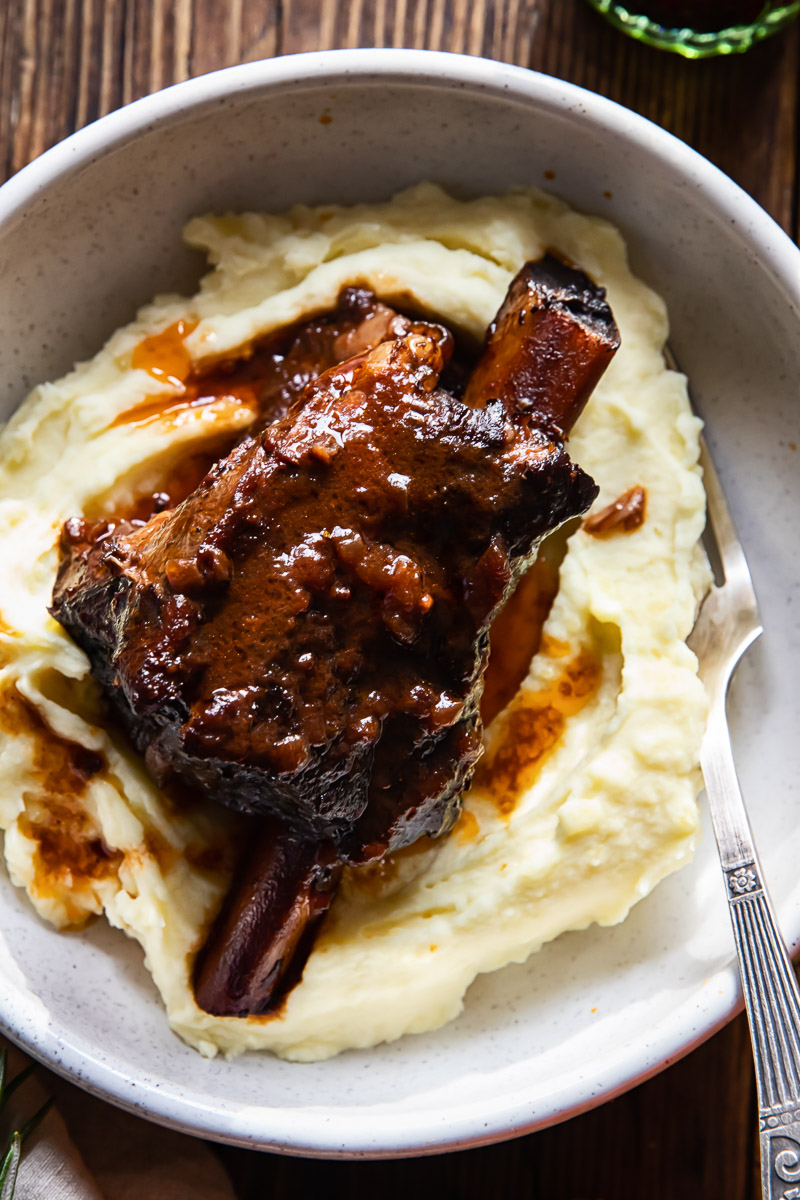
587 794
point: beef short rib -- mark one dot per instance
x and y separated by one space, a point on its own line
305 636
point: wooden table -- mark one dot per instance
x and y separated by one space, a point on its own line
690 1132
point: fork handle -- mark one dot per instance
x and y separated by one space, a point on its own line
773 1010
773 1006
769 984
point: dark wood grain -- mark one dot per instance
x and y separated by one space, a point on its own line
686 1135
690 1132
66 62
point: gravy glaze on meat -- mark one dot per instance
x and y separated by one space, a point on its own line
304 637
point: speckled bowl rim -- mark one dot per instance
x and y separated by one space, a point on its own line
318 1132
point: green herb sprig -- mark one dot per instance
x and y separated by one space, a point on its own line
9 1166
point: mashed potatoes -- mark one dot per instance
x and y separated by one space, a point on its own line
586 795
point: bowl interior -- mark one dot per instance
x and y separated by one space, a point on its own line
93 230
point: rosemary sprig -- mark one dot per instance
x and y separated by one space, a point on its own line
9 1166
8 1173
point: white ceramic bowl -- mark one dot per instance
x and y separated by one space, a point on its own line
92 229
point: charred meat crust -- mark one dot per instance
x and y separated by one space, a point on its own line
547 347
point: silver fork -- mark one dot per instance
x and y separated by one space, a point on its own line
727 624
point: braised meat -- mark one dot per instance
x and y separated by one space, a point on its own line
305 636
283 365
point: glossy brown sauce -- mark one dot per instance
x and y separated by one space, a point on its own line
68 848
164 356
515 638
623 515
532 728
182 478
264 377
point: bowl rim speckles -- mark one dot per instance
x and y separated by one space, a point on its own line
483 1101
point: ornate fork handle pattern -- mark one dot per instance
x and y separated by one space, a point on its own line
727 624
773 1009
771 994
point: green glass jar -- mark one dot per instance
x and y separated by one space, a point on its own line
699 28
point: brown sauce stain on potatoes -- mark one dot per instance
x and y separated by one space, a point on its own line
371 879
69 847
467 827
164 357
531 730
